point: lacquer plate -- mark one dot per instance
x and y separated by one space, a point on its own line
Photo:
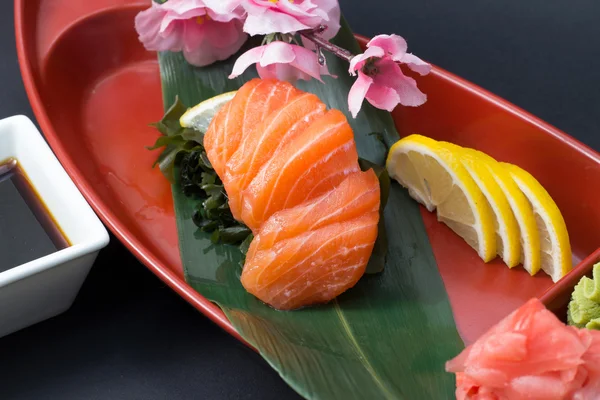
94 90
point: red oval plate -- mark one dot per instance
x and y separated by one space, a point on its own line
94 89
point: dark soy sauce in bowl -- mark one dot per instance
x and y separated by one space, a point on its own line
28 230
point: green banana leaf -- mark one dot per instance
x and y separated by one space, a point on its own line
386 338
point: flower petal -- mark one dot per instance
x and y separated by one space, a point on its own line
250 57
212 41
358 61
331 21
271 22
393 45
278 52
226 35
307 62
416 64
181 7
183 25
390 75
383 97
147 25
224 10
268 72
357 93
282 72
178 10
297 57
281 60
331 8
306 11
409 93
265 17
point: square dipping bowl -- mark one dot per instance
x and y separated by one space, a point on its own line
47 286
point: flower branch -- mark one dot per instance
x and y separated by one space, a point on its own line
207 31
320 43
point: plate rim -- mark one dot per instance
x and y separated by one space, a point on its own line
141 252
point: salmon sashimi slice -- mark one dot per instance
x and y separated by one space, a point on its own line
214 133
324 151
313 267
290 170
311 184
357 195
214 141
263 142
272 96
253 101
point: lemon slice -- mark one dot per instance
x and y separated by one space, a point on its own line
200 116
435 177
508 243
552 230
530 255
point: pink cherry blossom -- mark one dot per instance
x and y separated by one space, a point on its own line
281 60
287 16
380 78
205 30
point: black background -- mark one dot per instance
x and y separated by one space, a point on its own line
130 337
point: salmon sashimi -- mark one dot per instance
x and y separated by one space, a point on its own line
313 252
357 195
251 104
215 142
291 174
324 151
270 96
260 144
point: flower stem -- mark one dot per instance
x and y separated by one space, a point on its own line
320 43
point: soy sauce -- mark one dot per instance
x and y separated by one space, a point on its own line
27 229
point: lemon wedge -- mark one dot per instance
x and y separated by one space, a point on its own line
200 116
435 177
554 240
508 243
530 255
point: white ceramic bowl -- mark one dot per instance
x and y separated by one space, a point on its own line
47 286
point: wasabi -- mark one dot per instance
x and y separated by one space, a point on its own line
584 307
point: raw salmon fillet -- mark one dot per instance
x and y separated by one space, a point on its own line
251 104
311 164
315 251
263 142
290 170
357 195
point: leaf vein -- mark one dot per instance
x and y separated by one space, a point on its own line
361 355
